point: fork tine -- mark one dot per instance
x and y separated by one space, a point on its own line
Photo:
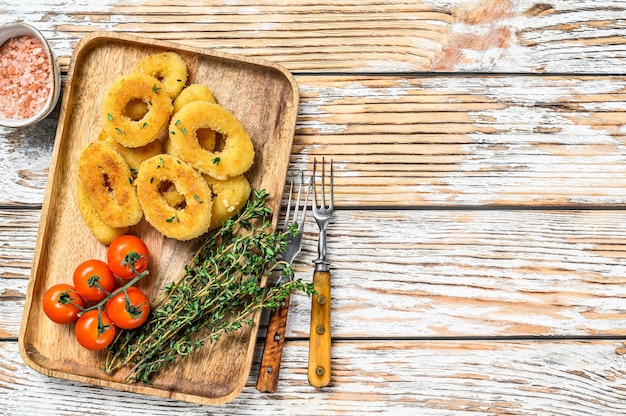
323 197
321 204
313 176
331 185
306 203
286 224
296 209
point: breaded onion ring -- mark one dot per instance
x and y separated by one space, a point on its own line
229 196
198 92
106 179
125 130
238 153
99 229
169 68
194 92
134 156
185 223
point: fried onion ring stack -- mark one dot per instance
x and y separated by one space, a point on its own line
183 188
186 223
169 68
101 230
238 153
198 92
194 92
126 130
134 156
229 196
107 181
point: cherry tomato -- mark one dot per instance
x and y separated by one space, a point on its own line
125 251
131 312
95 330
62 303
94 280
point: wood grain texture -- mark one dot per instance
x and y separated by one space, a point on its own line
394 36
466 140
452 273
556 378
435 141
492 134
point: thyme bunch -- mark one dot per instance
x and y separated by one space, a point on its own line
219 292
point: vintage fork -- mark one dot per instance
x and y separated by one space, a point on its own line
267 380
320 337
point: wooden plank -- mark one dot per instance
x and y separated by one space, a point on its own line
430 141
466 140
376 377
448 273
394 36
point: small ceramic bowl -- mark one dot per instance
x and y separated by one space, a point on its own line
12 30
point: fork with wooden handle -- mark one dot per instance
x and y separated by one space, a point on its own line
267 381
320 336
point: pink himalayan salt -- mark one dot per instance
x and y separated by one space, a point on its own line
25 78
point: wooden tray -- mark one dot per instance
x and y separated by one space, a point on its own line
263 96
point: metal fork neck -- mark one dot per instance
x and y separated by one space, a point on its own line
321 265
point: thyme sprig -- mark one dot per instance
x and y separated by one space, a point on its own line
219 292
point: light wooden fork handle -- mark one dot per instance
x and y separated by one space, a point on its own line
319 338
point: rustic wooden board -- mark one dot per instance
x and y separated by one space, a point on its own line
386 377
265 99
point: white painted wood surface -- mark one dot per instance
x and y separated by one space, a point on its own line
478 253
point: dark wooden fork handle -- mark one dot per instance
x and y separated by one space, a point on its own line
267 382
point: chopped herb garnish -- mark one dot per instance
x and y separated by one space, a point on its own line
152 179
119 131
172 219
216 160
177 123
197 198
183 130
110 117
155 88
144 125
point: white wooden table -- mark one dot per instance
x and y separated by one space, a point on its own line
478 255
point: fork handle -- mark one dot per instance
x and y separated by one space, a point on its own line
267 381
319 338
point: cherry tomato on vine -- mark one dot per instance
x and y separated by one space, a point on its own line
128 312
62 303
125 251
94 280
95 330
